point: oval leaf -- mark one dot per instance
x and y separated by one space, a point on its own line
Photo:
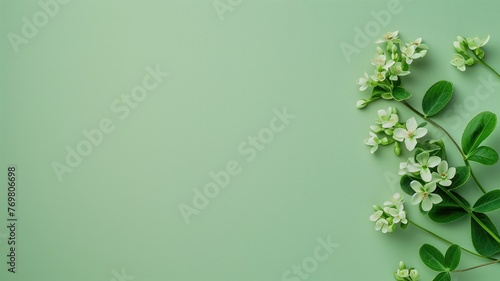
452 257
484 155
448 210
488 202
478 129
461 177
432 257
482 240
437 97
405 184
443 276
400 93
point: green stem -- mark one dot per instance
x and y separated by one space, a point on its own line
477 266
488 66
469 211
445 240
452 140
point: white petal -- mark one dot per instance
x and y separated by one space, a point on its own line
410 143
416 198
451 173
426 174
422 158
426 204
435 198
416 186
411 124
420 132
445 182
430 187
433 161
442 167
400 134
415 167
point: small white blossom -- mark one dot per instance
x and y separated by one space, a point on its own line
403 166
395 200
364 82
388 37
374 141
423 165
398 213
475 42
406 274
376 216
444 175
410 134
460 44
397 70
387 119
409 52
458 61
423 194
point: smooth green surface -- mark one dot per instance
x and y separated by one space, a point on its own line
314 181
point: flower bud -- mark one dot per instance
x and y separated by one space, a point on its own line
402 265
361 103
397 149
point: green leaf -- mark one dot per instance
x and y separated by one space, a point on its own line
405 184
443 276
482 240
478 129
432 257
461 177
399 93
377 92
484 155
433 147
452 257
448 210
488 202
437 97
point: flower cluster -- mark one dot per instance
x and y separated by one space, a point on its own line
427 171
390 64
386 218
387 123
465 48
406 274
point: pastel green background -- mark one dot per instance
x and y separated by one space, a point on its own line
119 209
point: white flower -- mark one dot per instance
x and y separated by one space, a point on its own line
379 61
475 42
387 118
460 44
424 195
423 165
388 37
410 134
395 200
458 61
444 175
376 216
364 82
414 275
397 70
374 141
409 52
398 213
403 273
403 166
383 224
